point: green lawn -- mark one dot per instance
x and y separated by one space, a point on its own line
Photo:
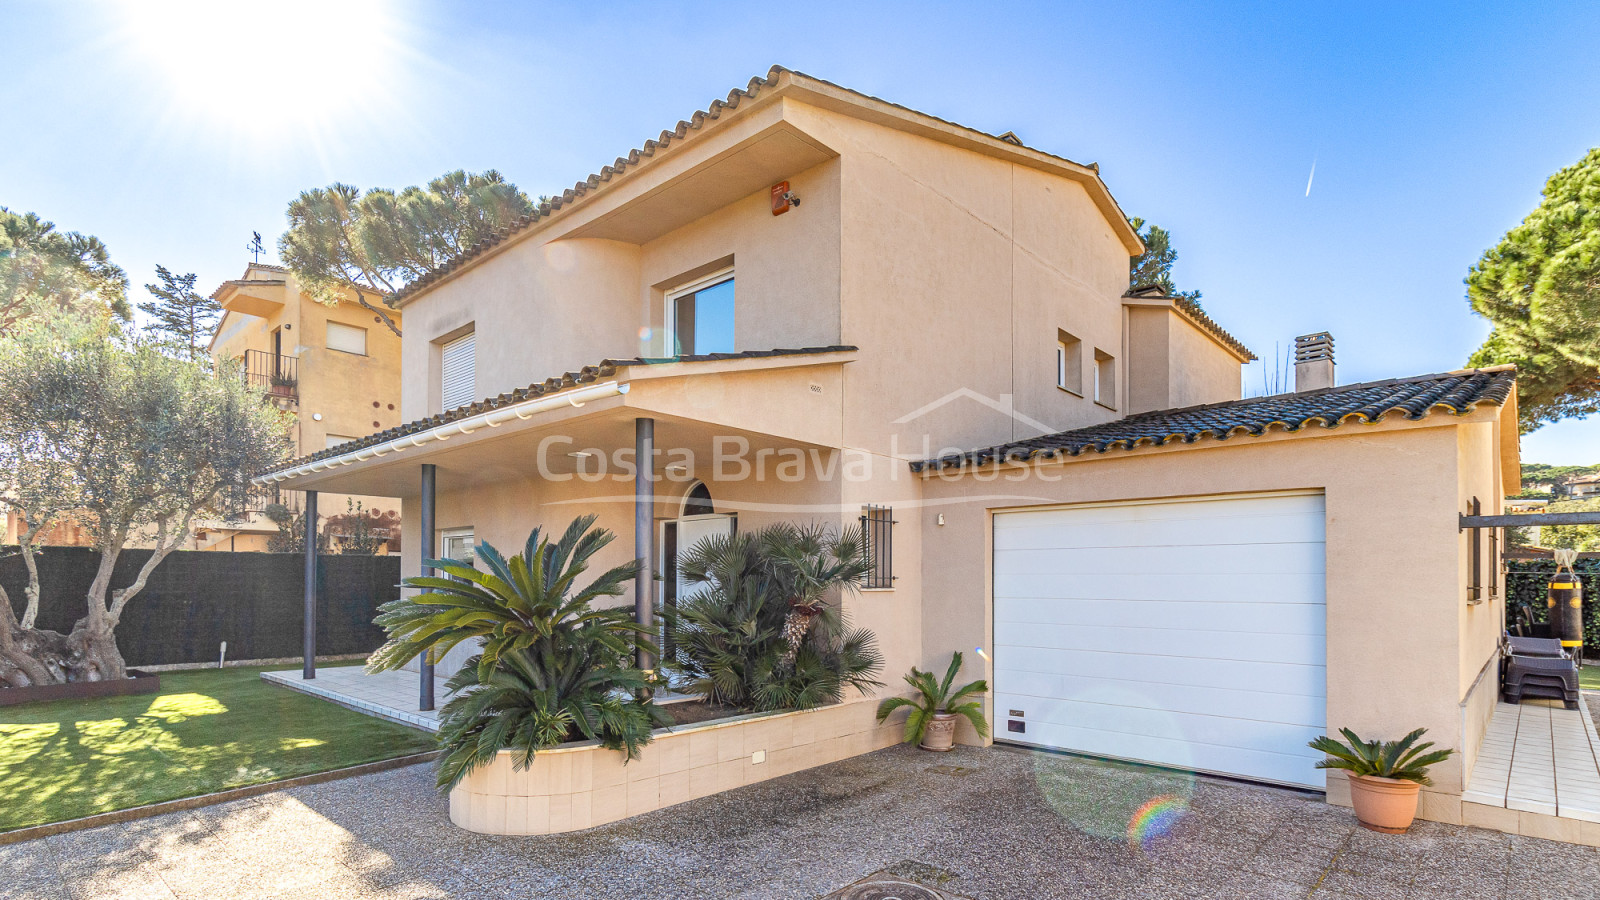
1589 678
207 730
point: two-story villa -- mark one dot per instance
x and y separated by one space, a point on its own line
809 304
335 367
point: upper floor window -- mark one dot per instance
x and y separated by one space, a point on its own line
699 316
1105 379
1069 363
347 338
458 372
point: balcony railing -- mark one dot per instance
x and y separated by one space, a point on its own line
272 373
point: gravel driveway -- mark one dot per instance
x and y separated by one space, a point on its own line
997 823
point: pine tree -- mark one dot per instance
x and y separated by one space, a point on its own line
1540 287
1154 267
181 318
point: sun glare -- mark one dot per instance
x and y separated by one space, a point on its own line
260 66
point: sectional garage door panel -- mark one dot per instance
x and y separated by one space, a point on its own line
1185 633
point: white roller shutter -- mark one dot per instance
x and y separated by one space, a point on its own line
458 372
1184 633
347 338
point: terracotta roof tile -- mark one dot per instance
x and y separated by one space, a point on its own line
663 141
1457 393
586 375
1192 311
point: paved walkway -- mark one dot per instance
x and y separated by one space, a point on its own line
1539 757
393 695
983 824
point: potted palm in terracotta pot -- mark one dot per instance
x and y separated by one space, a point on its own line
932 723
1385 776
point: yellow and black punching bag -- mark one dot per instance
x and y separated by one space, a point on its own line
1566 610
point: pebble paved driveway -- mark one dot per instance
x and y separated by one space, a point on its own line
995 823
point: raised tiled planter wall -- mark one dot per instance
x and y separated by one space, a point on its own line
583 785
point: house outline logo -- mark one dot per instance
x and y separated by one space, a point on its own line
1004 405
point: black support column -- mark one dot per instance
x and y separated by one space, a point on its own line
425 541
308 647
644 445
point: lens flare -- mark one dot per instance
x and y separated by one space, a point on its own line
1155 820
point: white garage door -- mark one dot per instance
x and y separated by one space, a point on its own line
1183 633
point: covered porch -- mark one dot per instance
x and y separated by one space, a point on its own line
721 455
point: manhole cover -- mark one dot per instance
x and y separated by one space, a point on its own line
886 889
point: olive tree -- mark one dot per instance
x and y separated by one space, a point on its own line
134 446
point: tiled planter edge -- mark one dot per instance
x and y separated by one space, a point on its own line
584 785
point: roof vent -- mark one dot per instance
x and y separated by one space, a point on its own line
1313 361
1010 137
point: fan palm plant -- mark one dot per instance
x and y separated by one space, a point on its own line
934 699
552 668
1402 760
734 635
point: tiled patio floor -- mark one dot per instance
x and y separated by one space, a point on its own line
995 824
387 695
1539 757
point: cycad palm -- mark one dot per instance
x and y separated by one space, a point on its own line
552 667
760 633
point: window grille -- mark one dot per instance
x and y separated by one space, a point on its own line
877 528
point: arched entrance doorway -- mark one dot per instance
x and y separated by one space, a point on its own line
697 520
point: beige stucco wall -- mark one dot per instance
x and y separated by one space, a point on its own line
1172 363
339 393
1396 658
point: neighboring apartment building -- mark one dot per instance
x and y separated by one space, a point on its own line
811 304
336 368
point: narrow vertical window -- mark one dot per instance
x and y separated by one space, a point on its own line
1069 363
1105 379
458 377
877 529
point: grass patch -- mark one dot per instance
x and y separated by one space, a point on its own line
1589 678
207 730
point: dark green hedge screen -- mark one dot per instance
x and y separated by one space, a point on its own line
196 600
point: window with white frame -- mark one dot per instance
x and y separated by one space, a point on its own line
699 316
1105 379
457 544
1069 363
347 338
458 372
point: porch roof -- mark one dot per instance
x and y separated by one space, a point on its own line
1457 393
556 398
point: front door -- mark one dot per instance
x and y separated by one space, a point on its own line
678 536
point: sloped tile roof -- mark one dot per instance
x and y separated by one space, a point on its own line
1457 393
684 129
586 375
1194 313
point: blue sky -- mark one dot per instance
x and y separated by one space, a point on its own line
173 132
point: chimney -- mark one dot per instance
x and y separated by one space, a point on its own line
1313 361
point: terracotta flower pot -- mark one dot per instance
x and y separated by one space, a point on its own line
1384 804
940 734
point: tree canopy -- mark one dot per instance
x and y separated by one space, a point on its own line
131 443
340 239
1540 287
1154 267
181 318
42 267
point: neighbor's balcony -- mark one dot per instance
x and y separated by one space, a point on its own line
272 373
